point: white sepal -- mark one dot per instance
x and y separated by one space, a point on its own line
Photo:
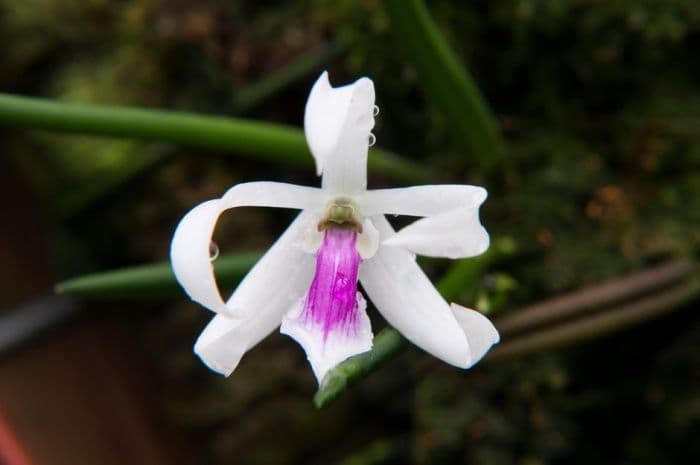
337 123
453 234
420 200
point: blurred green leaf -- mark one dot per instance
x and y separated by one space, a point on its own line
446 82
257 140
153 280
378 452
72 201
134 160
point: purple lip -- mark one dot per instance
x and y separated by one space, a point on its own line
331 303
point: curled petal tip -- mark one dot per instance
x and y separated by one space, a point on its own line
481 195
480 332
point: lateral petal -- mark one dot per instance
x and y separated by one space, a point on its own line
337 123
407 299
189 250
270 289
368 240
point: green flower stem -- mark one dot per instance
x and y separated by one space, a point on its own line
446 82
387 344
153 280
273 142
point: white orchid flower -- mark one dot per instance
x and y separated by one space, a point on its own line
307 281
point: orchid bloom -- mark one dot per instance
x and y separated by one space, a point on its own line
307 281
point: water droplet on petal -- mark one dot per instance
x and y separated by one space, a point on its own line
372 139
213 251
375 110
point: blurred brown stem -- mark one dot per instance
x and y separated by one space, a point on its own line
579 303
599 324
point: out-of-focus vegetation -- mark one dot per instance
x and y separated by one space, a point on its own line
600 108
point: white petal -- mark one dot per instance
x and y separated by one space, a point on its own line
189 255
420 200
367 242
406 298
453 234
337 123
275 283
480 332
312 237
189 250
338 346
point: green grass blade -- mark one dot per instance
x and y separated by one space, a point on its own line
446 82
152 280
257 140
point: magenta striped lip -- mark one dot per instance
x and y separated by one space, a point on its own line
331 303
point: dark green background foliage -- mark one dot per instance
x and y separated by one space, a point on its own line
599 104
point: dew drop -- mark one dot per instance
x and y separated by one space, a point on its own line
375 110
213 251
372 139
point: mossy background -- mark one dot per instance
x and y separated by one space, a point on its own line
599 103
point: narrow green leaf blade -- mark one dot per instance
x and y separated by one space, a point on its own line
446 82
152 280
254 139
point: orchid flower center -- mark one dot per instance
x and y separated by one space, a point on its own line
341 213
